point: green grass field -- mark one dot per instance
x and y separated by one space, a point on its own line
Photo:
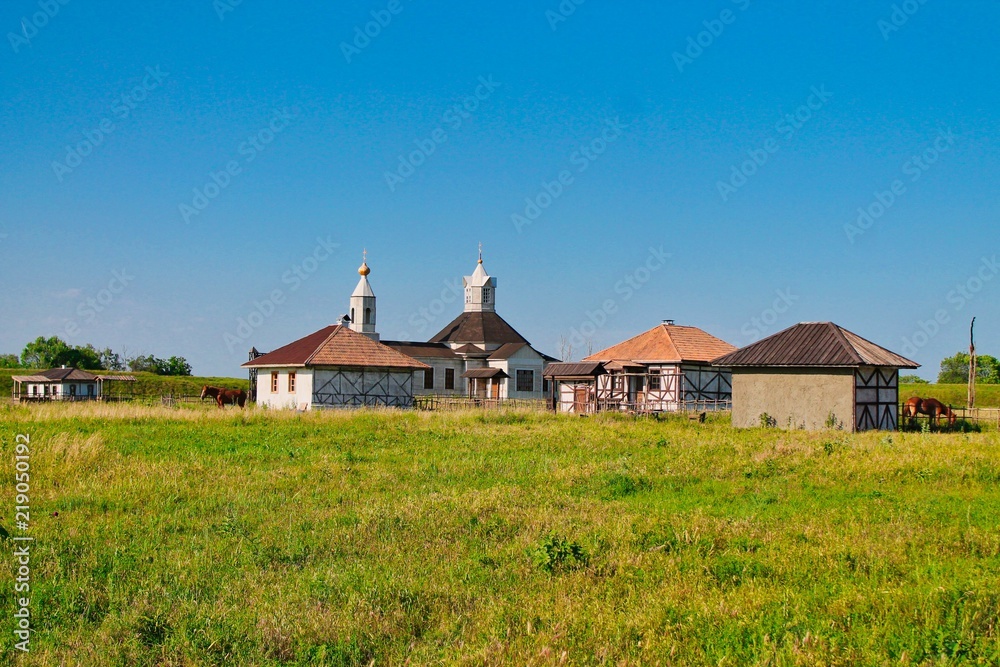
182 537
147 385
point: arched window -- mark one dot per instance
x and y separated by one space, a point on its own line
368 316
352 314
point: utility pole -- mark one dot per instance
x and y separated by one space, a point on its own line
972 364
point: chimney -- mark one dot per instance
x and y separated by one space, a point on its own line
668 322
345 320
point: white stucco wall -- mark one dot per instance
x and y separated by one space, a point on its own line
300 399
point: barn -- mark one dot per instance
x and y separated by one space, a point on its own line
815 375
332 368
665 369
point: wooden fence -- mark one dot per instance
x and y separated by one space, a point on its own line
462 403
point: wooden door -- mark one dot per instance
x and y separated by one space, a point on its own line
495 391
580 396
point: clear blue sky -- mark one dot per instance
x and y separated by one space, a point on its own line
172 93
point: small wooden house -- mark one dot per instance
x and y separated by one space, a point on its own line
335 367
64 384
815 375
665 369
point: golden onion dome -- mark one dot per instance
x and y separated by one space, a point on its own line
363 269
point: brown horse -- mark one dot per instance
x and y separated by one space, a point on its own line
224 397
931 407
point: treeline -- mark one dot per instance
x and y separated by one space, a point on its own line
955 370
53 352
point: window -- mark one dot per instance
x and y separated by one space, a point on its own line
486 295
526 380
654 382
368 316
429 378
291 383
449 378
352 314
274 382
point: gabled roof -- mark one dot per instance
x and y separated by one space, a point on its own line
666 343
422 349
336 345
814 344
507 350
483 328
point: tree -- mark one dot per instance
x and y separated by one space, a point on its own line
178 366
912 379
111 361
44 352
9 361
955 370
150 364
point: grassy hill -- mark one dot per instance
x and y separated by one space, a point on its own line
146 385
174 536
987 395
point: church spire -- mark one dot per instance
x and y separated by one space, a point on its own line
480 289
362 312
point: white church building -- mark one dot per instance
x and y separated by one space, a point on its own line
477 354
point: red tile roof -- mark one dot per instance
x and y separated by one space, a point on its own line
336 345
814 344
666 343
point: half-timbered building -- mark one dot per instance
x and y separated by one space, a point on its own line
816 375
665 369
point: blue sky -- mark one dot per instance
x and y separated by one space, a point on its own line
741 138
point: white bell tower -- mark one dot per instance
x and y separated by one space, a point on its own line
362 311
480 289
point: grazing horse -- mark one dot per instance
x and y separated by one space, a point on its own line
224 397
931 407
231 397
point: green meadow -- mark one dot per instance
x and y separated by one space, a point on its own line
198 537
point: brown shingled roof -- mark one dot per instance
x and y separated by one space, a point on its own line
422 349
667 343
814 344
482 328
336 345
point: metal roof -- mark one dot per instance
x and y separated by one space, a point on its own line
483 328
484 373
814 344
578 369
